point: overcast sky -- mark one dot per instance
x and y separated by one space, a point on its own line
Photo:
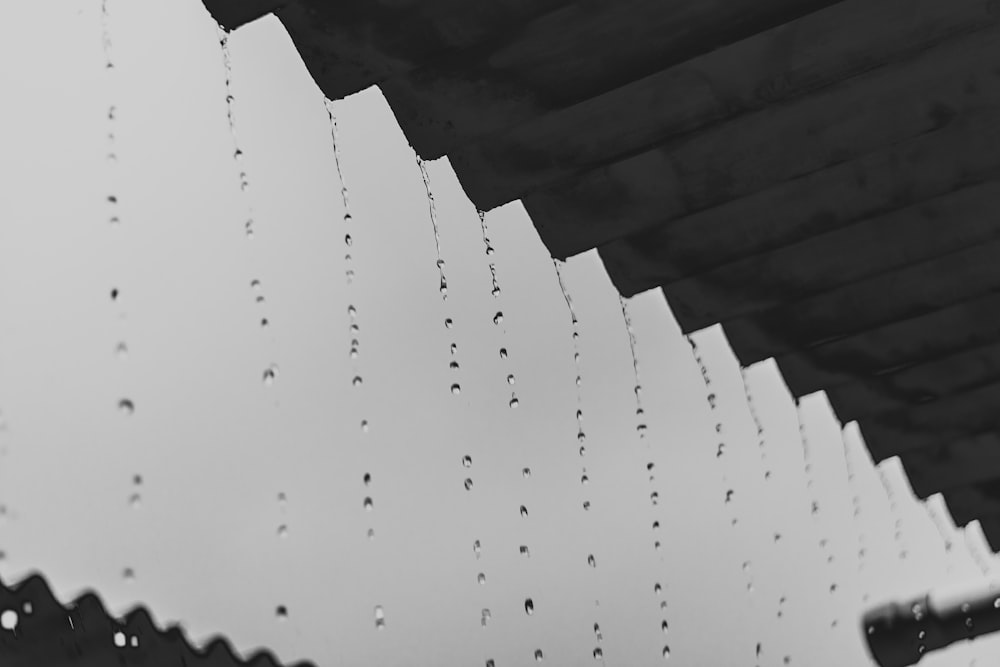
162 446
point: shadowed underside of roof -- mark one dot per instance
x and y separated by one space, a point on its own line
83 633
818 176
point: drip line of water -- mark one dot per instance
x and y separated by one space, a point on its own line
598 651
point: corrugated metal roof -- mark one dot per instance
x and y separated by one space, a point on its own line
818 176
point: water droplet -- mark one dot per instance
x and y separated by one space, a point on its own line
513 402
490 663
8 619
468 484
269 375
453 348
583 450
711 401
666 652
598 653
119 639
586 505
352 312
444 288
453 365
524 511
367 479
282 531
456 389
125 406
281 611
581 436
656 525
584 479
641 429
498 318
591 561
538 655
579 381
729 495
121 350
481 578
496 291
526 472
654 497
523 549
114 293
466 461
379 617
357 381
368 504
510 379
576 357
371 534
448 323
348 240
364 425
746 566
664 627
657 588
529 606
477 548
486 616
503 353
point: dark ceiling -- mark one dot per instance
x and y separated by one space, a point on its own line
818 176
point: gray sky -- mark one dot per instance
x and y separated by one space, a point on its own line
215 444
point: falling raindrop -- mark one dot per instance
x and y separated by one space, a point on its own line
729 495
456 389
524 511
367 479
598 653
524 550
529 606
490 663
503 353
538 655
664 627
269 375
453 365
121 350
8 619
526 472
498 318
379 617
468 484
282 531
510 379
466 461
281 611
448 323
357 381
364 425
477 548
514 402
486 616
481 578
666 652
591 561
125 406
368 504
453 348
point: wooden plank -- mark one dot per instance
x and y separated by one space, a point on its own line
886 348
919 382
583 50
791 60
951 418
779 143
954 464
868 248
967 151
349 45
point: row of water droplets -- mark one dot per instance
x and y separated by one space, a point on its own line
640 430
598 651
126 405
825 544
263 323
353 326
858 520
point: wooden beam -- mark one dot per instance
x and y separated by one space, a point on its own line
918 382
779 143
886 348
785 62
951 418
352 44
857 252
583 50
